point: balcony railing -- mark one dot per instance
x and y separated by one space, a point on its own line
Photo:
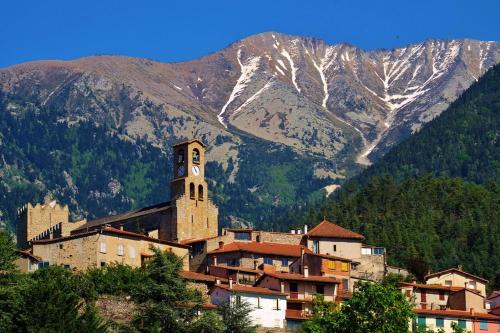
291 313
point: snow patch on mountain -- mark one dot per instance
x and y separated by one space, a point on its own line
247 70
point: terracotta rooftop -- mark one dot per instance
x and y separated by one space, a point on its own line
328 229
301 277
494 294
189 141
431 286
196 240
457 313
278 249
238 268
327 256
457 271
194 276
27 253
248 289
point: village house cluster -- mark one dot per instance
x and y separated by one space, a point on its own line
277 273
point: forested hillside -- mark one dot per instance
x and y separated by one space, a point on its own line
420 199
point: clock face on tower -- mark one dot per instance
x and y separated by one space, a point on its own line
181 170
196 170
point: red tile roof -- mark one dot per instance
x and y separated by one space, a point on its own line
458 271
248 289
301 277
278 249
194 276
27 253
431 286
328 229
196 240
238 268
457 313
494 294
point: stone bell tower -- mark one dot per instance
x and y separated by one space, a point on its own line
194 216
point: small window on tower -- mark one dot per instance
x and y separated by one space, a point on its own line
191 191
180 156
196 156
200 192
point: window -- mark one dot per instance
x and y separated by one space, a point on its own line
439 322
131 252
421 321
331 264
423 296
60 246
408 293
242 235
294 287
284 262
344 266
191 191
448 283
471 285
378 251
103 247
180 156
316 246
42 264
367 251
197 248
483 325
268 261
238 299
462 323
196 156
345 284
277 305
103 264
320 289
441 295
120 250
233 262
335 248
200 192
207 223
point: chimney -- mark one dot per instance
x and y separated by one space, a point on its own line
282 287
306 271
217 281
292 231
299 231
305 228
460 268
221 244
230 283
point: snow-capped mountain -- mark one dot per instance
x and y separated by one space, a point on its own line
335 102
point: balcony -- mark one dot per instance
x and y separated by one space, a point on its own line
298 314
294 295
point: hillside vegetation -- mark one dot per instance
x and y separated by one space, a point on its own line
436 195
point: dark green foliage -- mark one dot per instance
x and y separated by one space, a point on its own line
208 322
443 221
236 318
164 301
116 279
7 253
372 308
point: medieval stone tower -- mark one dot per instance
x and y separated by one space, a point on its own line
194 216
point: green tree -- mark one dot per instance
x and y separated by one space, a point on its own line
208 322
372 308
164 301
8 254
236 317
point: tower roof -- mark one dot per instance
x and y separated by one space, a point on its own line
189 141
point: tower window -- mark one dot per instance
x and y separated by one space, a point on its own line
180 156
200 192
191 191
196 156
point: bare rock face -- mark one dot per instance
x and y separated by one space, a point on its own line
316 98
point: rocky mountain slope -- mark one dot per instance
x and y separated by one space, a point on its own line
304 103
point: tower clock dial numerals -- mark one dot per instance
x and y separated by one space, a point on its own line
181 170
196 170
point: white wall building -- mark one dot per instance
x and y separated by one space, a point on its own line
268 306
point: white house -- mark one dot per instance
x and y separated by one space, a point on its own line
268 306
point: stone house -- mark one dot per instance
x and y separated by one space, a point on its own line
458 277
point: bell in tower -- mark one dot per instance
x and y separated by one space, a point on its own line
189 170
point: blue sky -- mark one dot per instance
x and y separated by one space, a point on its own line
182 30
